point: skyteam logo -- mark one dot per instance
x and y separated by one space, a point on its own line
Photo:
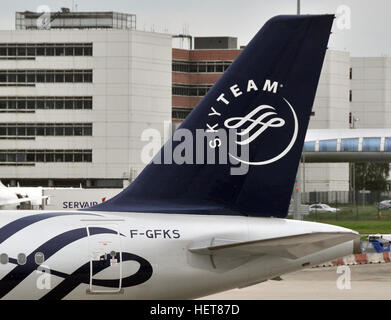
250 123
257 117
270 124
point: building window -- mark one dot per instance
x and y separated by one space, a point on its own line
309 146
350 96
387 144
349 144
25 157
190 90
180 113
200 66
371 144
29 77
328 145
29 104
32 50
28 130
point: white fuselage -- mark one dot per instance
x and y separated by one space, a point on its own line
156 262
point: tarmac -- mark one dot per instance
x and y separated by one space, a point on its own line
367 282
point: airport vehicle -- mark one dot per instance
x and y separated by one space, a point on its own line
12 197
380 242
322 207
384 205
191 225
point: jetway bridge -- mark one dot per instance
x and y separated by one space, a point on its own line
347 145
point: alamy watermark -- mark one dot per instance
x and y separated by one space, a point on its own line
44 278
343 17
200 146
44 20
344 280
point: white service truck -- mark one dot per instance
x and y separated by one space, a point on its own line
76 198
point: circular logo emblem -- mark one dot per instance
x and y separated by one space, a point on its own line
256 123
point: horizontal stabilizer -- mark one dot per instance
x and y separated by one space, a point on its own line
291 247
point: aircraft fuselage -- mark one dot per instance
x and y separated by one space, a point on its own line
98 255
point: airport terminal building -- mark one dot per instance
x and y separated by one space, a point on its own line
76 95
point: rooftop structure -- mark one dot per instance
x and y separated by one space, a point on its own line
66 19
215 43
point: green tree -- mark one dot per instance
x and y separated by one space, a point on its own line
371 176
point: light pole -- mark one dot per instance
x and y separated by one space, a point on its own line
353 121
298 6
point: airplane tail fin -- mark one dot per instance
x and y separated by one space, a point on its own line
238 151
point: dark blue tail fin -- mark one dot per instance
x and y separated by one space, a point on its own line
253 120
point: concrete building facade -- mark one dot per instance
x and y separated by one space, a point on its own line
371 92
330 111
74 102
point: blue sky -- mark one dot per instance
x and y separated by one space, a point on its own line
368 36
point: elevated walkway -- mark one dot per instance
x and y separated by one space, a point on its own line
347 145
